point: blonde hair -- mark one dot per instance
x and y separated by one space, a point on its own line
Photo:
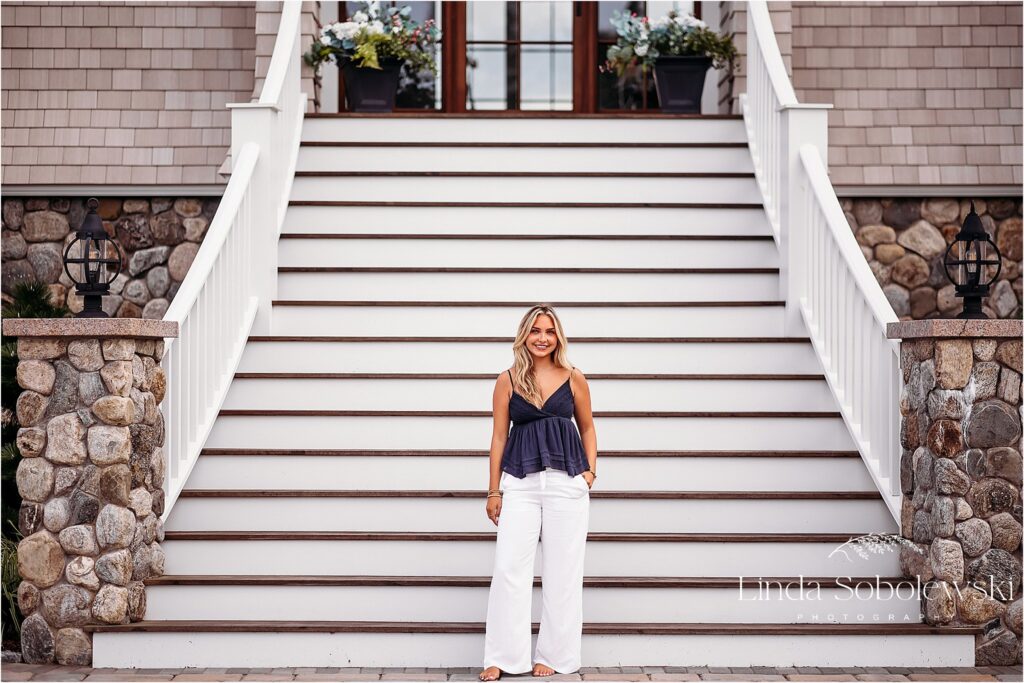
523 381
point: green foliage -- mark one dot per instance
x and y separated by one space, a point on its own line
642 41
371 36
29 300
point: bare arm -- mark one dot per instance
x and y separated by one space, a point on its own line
502 389
584 416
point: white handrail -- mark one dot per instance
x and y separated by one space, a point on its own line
828 286
229 289
846 314
214 310
767 84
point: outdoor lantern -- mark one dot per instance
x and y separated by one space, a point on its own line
968 256
92 255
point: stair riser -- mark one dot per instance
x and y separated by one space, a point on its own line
499 286
517 220
592 321
468 514
491 357
630 433
754 604
476 558
434 472
527 159
523 190
528 253
168 650
525 130
454 394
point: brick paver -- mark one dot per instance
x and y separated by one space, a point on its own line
50 672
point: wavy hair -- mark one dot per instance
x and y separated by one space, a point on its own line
523 381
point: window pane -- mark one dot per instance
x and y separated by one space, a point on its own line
486 21
486 77
625 92
661 7
546 20
605 10
418 89
546 77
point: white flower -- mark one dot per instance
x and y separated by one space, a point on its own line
661 22
360 17
690 21
346 30
375 27
641 49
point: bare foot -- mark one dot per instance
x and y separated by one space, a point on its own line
542 670
491 673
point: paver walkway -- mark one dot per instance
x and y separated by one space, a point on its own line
47 672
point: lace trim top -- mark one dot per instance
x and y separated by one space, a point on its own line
544 437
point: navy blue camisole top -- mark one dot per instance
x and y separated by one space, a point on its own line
543 437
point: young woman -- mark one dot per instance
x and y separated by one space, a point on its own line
545 468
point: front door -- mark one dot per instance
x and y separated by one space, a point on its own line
518 56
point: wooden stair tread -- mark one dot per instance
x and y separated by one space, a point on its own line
485 581
482 453
505 115
516 236
190 625
518 145
487 413
487 339
553 205
613 536
525 270
519 304
524 174
746 376
440 493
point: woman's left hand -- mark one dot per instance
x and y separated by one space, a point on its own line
589 477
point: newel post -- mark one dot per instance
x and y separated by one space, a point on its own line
960 471
256 123
801 124
91 477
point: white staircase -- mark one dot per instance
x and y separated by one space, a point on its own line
336 514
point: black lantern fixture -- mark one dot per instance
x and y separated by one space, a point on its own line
969 255
92 255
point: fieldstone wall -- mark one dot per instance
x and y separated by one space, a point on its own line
91 478
961 476
160 237
905 240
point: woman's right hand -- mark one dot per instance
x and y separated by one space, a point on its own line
494 508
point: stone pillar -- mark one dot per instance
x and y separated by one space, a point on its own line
961 475
91 476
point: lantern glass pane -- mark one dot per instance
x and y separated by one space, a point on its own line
92 266
972 257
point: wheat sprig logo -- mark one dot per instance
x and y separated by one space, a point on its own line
874 544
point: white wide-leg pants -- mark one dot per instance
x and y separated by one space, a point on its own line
555 507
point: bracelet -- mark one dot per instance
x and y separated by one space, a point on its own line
491 494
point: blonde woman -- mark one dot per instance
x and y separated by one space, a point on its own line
540 478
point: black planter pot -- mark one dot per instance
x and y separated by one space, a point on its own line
369 89
680 82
